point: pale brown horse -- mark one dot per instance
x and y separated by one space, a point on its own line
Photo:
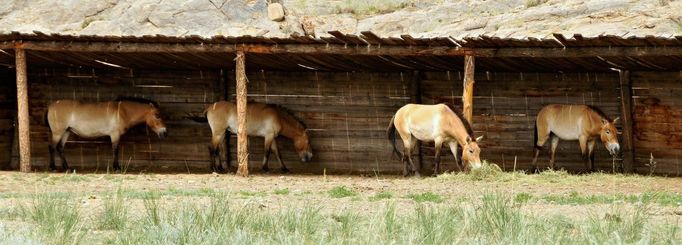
91 120
434 123
574 122
263 120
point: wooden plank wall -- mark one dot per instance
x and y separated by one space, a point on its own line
178 93
505 107
657 100
347 114
7 113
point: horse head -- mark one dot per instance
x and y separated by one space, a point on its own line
609 135
302 146
154 121
471 153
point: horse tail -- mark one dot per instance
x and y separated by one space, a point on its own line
535 135
391 136
46 121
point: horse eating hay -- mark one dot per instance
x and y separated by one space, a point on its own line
263 120
574 122
433 123
91 120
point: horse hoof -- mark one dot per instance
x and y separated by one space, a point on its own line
285 170
417 175
265 169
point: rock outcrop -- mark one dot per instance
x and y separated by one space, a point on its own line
425 18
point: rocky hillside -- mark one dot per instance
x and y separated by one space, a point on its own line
420 18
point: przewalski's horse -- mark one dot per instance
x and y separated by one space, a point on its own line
91 120
263 120
434 123
574 122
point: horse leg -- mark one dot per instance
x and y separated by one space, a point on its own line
214 151
436 166
583 150
60 149
52 145
590 153
267 149
552 159
453 148
275 150
115 138
413 142
542 134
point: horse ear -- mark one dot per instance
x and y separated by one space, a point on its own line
468 140
615 120
479 138
604 121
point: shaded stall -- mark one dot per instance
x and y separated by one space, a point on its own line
346 88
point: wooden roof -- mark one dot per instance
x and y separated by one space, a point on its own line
347 52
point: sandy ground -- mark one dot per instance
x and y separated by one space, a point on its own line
307 190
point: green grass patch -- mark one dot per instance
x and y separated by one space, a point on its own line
381 196
283 191
58 219
115 214
575 198
341 192
426 197
253 193
522 197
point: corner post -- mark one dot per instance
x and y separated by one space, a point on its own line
242 138
626 116
468 92
22 110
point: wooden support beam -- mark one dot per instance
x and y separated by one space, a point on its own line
468 92
138 47
22 112
627 120
242 138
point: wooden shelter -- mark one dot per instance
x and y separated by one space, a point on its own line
346 88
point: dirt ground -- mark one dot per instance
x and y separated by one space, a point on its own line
308 190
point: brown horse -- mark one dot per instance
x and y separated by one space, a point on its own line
574 122
91 120
434 123
263 120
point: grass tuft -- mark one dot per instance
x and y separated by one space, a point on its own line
426 197
115 216
341 192
58 219
381 196
283 191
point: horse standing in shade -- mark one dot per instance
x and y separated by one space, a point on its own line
433 123
574 122
91 120
263 120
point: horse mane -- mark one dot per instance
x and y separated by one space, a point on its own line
285 112
459 114
137 100
599 112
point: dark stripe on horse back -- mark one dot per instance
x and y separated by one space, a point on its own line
286 112
138 100
459 114
599 111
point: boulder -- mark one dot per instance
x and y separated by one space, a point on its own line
276 12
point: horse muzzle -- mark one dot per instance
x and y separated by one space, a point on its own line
306 157
163 133
613 148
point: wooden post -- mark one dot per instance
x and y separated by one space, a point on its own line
22 111
242 140
468 92
626 118
416 98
